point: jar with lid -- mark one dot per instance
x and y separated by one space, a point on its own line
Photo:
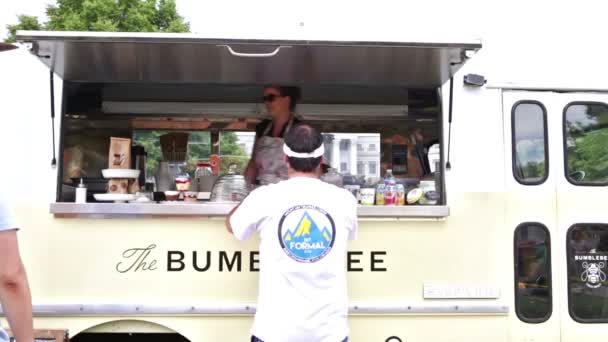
429 192
183 182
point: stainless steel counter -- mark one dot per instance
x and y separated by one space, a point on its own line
219 210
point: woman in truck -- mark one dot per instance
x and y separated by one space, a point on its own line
266 165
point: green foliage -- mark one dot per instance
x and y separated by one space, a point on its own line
150 141
107 16
199 149
240 161
25 22
587 144
229 145
590 155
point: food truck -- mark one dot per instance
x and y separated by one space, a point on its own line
502 236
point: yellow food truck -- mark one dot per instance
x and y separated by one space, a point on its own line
503 235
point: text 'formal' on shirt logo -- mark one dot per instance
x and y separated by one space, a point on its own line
306 233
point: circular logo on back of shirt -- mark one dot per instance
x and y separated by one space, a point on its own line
306 233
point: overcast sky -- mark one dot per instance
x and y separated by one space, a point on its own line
521 18
279 15
547 33
201 14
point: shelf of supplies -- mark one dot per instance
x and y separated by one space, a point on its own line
209 210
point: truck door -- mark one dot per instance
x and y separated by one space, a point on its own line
582 215
531 232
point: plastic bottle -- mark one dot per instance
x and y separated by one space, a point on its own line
81 192
390 186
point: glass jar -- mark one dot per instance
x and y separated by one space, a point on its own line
182 182
203 169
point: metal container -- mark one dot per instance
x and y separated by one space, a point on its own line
204 177
164 177
138 162
230 187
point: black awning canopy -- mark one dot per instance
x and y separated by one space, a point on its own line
186 58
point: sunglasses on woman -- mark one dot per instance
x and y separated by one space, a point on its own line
270 98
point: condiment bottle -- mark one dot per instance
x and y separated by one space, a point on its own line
81 192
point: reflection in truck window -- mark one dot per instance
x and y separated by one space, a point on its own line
586 143
530 159
587 269
533 299
344 153
234 148
373 167
199 148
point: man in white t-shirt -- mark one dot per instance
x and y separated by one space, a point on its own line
304 225
14 288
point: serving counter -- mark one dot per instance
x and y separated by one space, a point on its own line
219 210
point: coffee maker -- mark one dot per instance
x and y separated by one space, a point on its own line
138 162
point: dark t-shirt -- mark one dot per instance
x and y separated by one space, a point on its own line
261 127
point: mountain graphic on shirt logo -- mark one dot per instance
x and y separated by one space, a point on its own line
307 231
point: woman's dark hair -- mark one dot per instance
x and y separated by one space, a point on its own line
303 138
294 94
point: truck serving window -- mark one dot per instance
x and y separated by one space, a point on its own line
533 299
188 140
529 139
586 143
587 259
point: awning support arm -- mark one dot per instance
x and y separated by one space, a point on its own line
448 165
54 160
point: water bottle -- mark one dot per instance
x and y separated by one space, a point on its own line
390 188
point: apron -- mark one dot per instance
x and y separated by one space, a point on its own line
269 156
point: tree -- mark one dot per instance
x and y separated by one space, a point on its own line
26 22
587 143
108 16
199 149
231 153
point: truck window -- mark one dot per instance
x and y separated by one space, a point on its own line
529 139
586 143
364 135
587 261
532 250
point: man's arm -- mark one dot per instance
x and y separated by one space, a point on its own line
228 225
244 217
14 288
